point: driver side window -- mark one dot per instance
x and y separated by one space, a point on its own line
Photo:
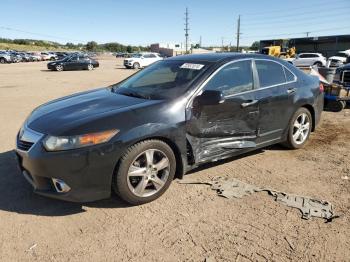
232 79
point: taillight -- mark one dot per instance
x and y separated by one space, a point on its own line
321 88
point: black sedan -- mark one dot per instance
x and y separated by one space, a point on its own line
73 62
136 136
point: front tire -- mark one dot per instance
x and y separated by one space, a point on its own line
59 68
300 127
2 61
144 172
136 66
90 67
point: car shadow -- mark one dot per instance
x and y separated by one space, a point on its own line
17 196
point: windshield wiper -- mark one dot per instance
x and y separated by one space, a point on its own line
133 95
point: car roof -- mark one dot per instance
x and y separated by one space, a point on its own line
217 57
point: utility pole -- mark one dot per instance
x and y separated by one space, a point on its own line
222 43
200 41
186 30
238 31
307 34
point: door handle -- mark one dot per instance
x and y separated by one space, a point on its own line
249 103
291 90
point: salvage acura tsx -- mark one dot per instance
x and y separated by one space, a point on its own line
136 136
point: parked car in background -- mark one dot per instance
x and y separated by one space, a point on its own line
15 57
45 56
73 62
340 58
5 57
309 59
61 55
36 56
342 76
139 60
25 57
135 136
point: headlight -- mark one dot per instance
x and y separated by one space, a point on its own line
54 143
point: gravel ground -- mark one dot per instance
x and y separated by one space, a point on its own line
189 222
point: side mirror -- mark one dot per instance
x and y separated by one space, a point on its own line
210 97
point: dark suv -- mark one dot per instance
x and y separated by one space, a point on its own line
134 137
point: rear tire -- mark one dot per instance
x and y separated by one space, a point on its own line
335 106
299 129
144 172
2 60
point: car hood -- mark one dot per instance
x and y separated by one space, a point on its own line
337 58
65 113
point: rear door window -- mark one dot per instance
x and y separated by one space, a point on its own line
270 73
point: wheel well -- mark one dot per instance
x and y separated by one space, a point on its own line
312 112
180 165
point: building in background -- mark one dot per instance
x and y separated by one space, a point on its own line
327 45
175 49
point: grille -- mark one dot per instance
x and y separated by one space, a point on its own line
346 77
24 145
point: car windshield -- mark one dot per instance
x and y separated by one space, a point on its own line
163 80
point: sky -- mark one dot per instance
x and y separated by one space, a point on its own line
143 22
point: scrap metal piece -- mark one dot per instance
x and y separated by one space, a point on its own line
234 188
309 207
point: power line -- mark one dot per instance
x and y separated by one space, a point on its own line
38 34
290 23
296 8
326 15
298 33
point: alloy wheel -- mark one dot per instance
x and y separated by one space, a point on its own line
59 67
148 173
301 129
90 67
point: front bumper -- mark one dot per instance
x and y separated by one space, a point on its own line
87 172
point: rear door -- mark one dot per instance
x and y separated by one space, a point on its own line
216 131
277 88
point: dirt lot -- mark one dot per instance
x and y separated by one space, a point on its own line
189 223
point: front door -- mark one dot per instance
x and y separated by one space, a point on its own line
216 131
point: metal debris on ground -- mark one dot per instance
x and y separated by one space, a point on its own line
234 188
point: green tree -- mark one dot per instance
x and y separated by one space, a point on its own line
91 46
255 45
129 49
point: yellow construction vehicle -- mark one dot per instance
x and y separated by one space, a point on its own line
278 51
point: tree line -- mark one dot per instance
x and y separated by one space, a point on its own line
91 46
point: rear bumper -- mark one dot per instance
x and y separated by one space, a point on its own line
87 172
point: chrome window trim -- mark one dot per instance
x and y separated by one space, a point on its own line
284 67
199 89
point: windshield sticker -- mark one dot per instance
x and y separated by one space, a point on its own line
192 66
